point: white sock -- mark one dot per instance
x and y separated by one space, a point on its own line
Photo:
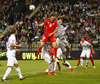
81 62
68 64
19 72
55 63
7 73
48 69
87 62
52 67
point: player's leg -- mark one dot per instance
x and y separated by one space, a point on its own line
52 67
10 64
81 58
88 57
48 69
91 58
39 49
19 71
87 61
47 58
53 41
43 41
77 64
7 73
59 53
63 47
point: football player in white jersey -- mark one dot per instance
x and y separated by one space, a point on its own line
85 51
49 59
11 59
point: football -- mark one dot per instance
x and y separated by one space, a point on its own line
31 7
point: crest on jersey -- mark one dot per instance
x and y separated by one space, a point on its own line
50 25
12 40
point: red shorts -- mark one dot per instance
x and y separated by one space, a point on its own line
45 38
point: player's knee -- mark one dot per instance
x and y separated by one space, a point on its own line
64 53
16 65
88 58
11 67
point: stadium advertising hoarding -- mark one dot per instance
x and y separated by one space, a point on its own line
29 55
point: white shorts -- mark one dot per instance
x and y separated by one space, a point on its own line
11 59
47 58
86 53
59 52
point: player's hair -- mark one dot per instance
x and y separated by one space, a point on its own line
83 37
13 30
52 15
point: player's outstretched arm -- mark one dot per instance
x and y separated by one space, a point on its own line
13 45
40 25
92 49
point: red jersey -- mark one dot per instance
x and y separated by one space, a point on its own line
50 26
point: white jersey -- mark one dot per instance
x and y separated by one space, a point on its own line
11 39
45 49
61 31
85 45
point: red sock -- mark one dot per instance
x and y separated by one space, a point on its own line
92 62
91 59
38 51
58 65
55 52
78 62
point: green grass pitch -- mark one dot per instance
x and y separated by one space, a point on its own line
35 72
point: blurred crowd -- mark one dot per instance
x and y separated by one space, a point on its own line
82 16
6 6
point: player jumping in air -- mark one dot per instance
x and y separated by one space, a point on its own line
85 51
51 29
63 44
11 60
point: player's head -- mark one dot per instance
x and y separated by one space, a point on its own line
52 18
60 21
13 31
82 39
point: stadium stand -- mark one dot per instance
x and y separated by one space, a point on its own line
82 16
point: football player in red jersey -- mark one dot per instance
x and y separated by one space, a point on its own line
51 29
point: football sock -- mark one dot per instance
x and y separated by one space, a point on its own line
67 63
58 65
38 51
78 62
19 72
81 62
55 63
48 69
7 73
87 62
52 67
92 62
